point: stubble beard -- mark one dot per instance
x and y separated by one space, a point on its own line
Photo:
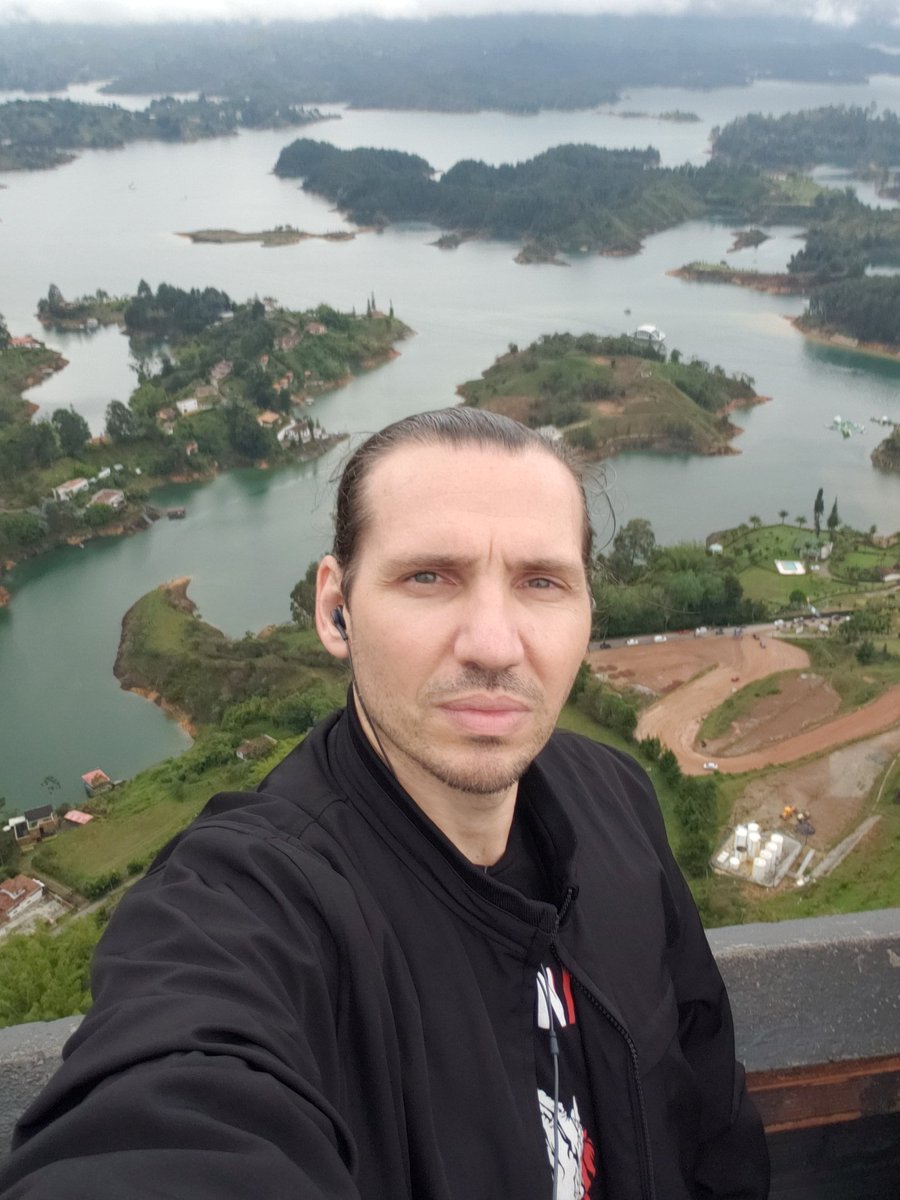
488 773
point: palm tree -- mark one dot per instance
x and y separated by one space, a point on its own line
801 521
783 512
756 521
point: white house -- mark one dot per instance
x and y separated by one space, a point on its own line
188 406
649 333
70 488
111 496
17 895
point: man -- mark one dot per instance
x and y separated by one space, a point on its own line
443 953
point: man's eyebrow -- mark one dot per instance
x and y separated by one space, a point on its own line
442 561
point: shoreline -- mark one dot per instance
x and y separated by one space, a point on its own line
842 341
176 590
774 284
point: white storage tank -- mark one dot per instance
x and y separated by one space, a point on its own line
734 862
758 872
740 838
754 841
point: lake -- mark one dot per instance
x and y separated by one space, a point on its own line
113 217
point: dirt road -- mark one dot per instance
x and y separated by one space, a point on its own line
695 675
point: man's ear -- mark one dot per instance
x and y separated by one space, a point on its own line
329 596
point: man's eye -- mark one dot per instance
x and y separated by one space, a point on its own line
424 577
541 582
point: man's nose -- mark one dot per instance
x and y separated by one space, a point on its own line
489 633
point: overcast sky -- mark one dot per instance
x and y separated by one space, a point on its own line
842 12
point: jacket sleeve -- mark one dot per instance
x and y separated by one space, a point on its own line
733 1160
207 1067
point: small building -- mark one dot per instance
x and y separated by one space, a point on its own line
72 487
191 449
288 341
33 825
257 747
268 419
76 817
96 781
290 435
104 474
167 414
114 497
26 342
188 406
550 433
17 895
715 548
316 328
649 333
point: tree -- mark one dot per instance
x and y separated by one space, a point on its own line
71 429
833 519
755 521
818 509
633 547
4 333
121 425
801 521
303 598
783 513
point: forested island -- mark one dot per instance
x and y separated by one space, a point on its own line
36 134
577 198
866 310
840 135
229 388
886 454
606 395
281 235
515 62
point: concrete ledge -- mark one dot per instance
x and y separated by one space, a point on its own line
817 991
29 1054
821 990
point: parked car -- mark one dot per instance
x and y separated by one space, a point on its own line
710 766
632 642
660 637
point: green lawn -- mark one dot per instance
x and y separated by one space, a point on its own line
142 816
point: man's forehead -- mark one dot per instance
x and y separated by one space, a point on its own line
446 471
452 495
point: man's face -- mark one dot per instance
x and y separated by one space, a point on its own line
469 611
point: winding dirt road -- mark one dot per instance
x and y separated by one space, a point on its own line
698 674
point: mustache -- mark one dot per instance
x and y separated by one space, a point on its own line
479 679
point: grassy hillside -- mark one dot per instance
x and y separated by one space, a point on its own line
608 395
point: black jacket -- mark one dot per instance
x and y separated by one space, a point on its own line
313 994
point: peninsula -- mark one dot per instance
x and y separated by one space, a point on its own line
222 384
281 235
607 395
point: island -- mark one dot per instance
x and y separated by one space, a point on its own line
886 454
37 134
572 198
281 235
860 314
841 135
221 384
607 395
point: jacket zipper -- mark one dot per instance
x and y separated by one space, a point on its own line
645 1157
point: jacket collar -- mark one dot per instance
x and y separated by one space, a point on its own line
375 792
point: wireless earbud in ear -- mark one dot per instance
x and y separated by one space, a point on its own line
337 616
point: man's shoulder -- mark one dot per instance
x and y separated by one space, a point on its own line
291 802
